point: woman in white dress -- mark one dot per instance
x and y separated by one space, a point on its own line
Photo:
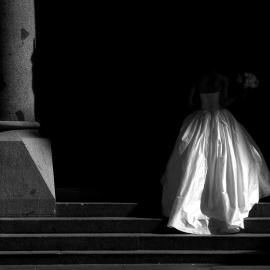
216 173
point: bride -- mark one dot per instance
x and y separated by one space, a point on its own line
216 173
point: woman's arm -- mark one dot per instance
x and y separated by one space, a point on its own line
226 100
240 96
190 97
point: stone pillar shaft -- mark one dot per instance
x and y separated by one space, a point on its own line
17 36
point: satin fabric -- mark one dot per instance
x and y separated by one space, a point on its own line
214 176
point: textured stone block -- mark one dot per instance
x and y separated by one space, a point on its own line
17 39
26 174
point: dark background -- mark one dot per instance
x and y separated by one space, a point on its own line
111 86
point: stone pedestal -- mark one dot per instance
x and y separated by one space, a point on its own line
26 172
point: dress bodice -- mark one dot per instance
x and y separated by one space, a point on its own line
210 101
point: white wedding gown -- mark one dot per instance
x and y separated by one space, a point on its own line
214 176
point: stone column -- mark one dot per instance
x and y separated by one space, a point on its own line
26 174
17 36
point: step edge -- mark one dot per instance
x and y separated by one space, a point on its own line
70 252
131 235
257 218
95 203
62 218
78 218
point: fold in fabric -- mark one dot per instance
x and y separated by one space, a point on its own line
214 176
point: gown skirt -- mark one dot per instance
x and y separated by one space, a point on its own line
215 175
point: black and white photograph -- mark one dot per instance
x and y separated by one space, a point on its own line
133 136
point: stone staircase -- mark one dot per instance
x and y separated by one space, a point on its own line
86 233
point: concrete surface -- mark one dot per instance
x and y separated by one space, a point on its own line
27 181
17 35
137 267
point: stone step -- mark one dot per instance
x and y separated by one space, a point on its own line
96 209
124 242
26 225
64 257
257 225
79 225
260 210
119 209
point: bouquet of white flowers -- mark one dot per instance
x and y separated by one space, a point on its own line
248 80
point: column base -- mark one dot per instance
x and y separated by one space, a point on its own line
26 171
